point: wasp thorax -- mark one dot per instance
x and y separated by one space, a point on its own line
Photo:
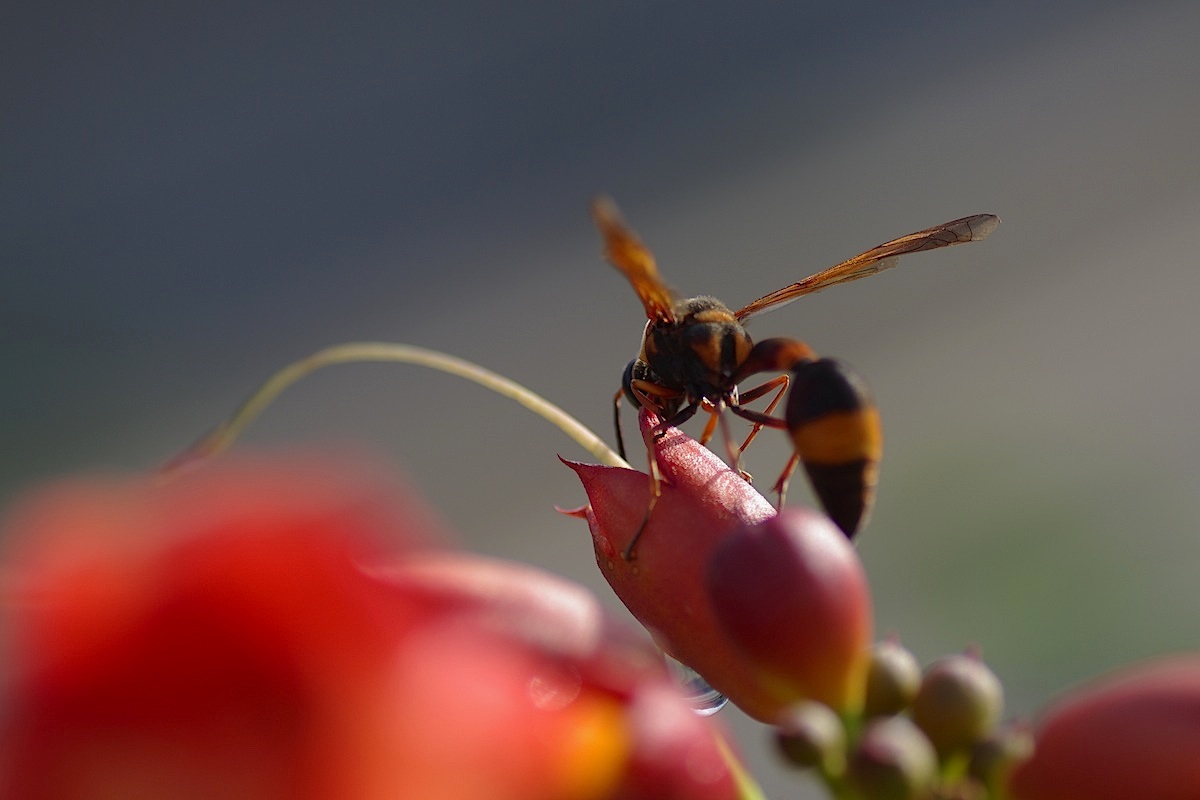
701 350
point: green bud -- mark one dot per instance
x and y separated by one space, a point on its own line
893 677
893 761
995 757
958 704
811 734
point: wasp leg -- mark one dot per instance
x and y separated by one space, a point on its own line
769 355
760 421
714 412
647 393
759 418
785 478
652 396
779 385
629 553
657 400
617 398
733 456
781 382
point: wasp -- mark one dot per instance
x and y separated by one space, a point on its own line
695 352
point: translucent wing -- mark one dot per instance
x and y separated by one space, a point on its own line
626 252
885 256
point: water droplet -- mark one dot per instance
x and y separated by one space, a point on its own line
555 689
704 699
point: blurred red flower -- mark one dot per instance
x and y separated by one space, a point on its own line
1135 734
290 628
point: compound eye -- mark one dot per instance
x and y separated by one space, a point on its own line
627 380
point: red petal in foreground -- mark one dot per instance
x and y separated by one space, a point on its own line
218 636
1135 734
665 585
212 636
672 752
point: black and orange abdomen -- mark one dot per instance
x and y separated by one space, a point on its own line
836 432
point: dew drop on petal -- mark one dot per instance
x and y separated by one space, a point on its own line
704 699
556 689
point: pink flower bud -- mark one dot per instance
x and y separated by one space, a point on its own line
1135 734
791 593
666 584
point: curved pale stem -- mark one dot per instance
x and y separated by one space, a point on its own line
747 788
225 434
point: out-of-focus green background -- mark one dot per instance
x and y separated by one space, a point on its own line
194 194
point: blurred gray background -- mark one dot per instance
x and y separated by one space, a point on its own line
195 194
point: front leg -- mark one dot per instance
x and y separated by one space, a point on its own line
660 401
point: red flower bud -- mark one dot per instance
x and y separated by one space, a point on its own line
1135 734
790 591
666 584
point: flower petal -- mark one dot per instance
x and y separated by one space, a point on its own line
1134 734
257 629
672 752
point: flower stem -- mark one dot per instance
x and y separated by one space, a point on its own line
225 434
747 788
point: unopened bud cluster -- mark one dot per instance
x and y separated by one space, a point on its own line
922 735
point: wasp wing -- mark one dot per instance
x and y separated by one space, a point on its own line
877 259
626 252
